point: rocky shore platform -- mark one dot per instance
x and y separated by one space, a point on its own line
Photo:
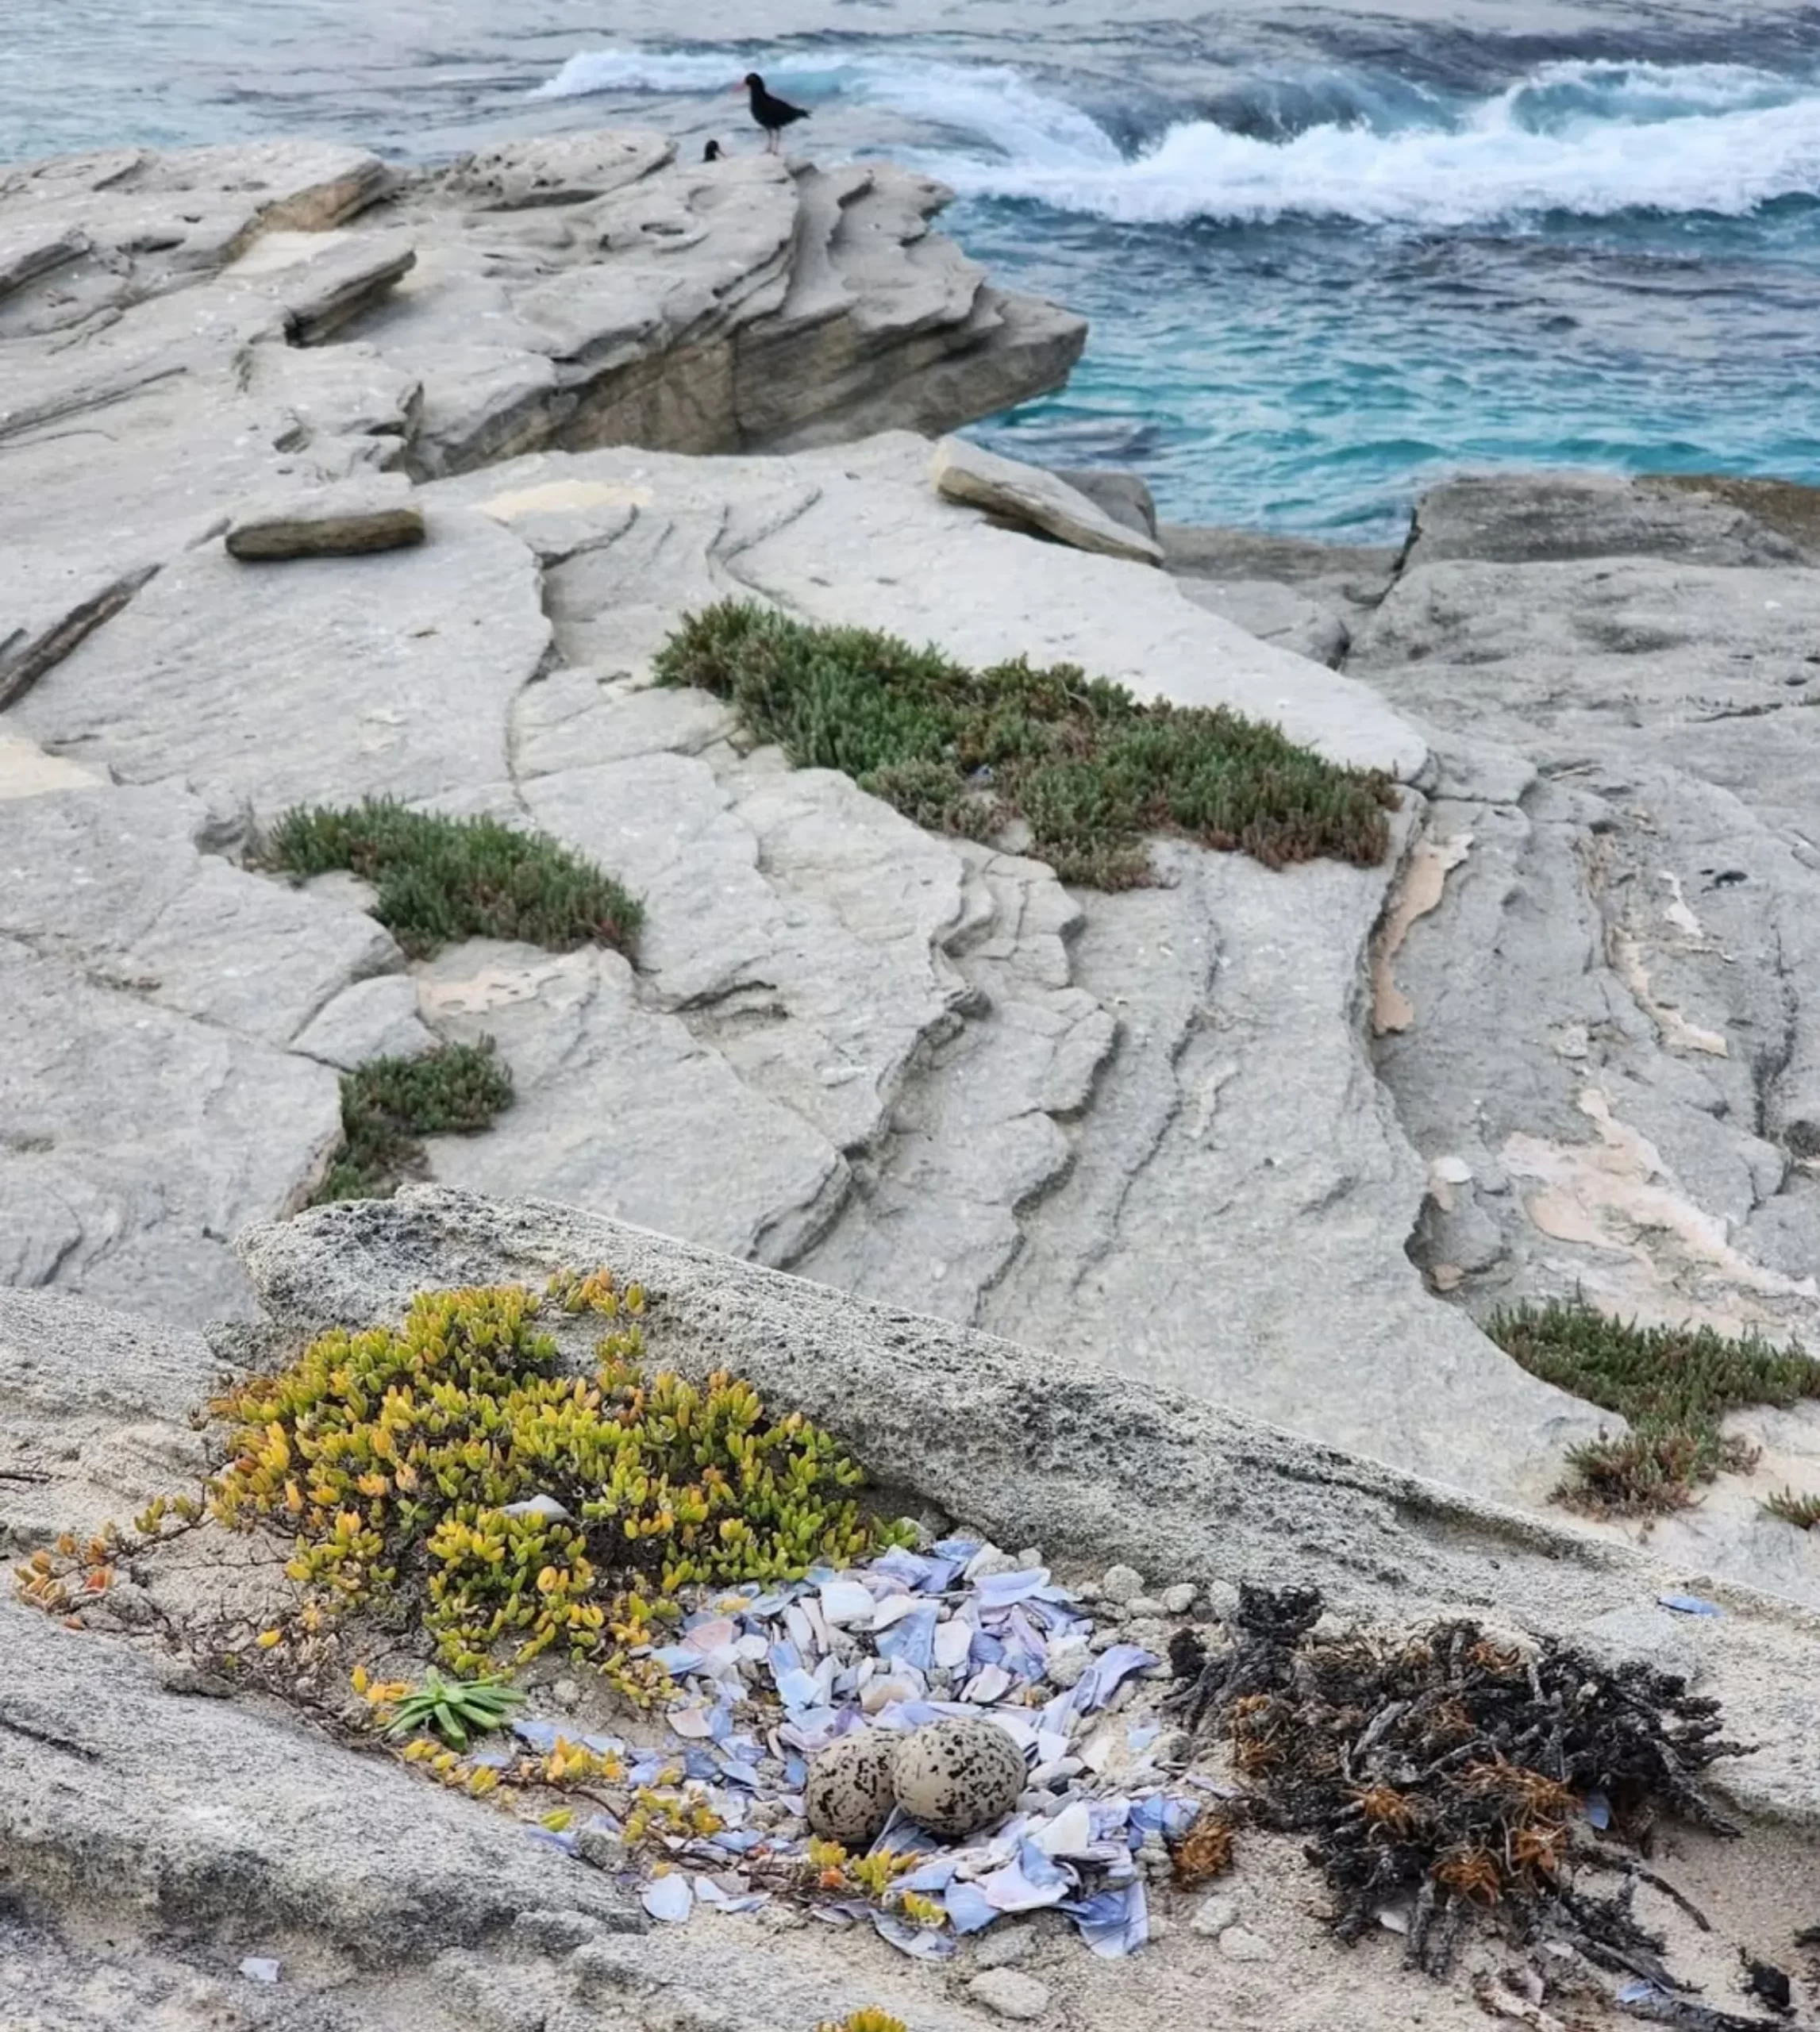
320 481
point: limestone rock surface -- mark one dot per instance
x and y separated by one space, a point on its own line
374 513
1025 496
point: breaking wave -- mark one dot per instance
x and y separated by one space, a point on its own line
1594 138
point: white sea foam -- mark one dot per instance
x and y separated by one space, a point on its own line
1594 138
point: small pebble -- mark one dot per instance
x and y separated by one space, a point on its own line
1009 1994
1003 1945
1143 1608
1173 1747
260 1969
989 1560
1067 1659
179 1675
1239 1944
1216 1916
565 1693
1029 1558
1090 1591
602 1847
1178 1600
1058 1771
1104 1640
1122 1583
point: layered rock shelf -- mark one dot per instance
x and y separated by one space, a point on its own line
1271 1138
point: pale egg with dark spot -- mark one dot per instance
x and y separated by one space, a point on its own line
956 1777
848 1794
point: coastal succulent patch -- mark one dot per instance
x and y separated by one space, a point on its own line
1672 1384
454 1709
1088 768
388 1103
439 879
1448 1775
1803 1511
448 1474
868 2019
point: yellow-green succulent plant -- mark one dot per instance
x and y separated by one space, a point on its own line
400 1457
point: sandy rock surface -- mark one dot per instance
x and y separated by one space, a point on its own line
157 1842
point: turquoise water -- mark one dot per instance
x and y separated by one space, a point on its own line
1324 263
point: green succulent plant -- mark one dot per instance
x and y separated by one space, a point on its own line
441 879
450 1474
1091 769
1675 1384
455 1710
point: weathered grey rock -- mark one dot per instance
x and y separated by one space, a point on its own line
622 1109
395 682
1028 496
1623 814
1006 1993
1359 574
390 1868
47 606
1125 497
1546 517
376 513
578 290
376 1018
1241 1944
1215 1916
93 1427
1276 614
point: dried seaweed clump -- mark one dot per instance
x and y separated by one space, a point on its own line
395 1455
1449 1774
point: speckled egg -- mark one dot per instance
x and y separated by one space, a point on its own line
953 1777
848 1796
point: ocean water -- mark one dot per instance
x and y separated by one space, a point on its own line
1329 255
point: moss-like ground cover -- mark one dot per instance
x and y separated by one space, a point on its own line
388 1103
442 880
1672 1384
1090 769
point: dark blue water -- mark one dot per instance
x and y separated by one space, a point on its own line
1324 263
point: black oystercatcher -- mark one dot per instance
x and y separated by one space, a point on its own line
711 152
773 114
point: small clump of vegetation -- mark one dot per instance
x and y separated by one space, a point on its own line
1090 769
442 879
388 1103
454 1709
869 2019
1673 1384
1802 1511
395 1456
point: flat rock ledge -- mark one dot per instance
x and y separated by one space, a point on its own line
151 1838
297 311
